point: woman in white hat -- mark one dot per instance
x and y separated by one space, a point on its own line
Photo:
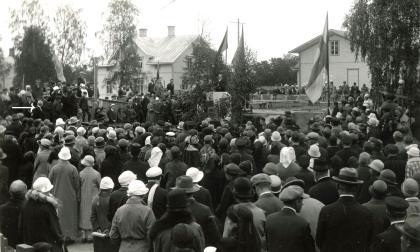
132 221
39 220
90 180
65 177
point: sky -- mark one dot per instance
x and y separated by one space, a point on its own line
271 27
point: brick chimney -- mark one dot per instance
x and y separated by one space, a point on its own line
171 31
143 33
12 52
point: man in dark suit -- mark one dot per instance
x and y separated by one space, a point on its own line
345 225
390 239
38 112
376 205
156 197
285 230
325 189
201 213
119 197
135 164
347 151
266 199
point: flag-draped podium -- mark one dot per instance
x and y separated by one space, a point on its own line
315 84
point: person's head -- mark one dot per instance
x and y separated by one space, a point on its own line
106 184
376 167
364 159
137 188
410 230
413 152
154 174
126 177
17 189
378 189
292 197
390 150
261 183
42 185
398 136
348 181
175 153
135 149
182 237
242 189
410 188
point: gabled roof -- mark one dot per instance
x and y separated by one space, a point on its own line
165 49
315 40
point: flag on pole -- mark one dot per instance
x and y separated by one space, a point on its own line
58 69
224 45
240 51
315 84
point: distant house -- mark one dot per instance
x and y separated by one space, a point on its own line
343 63
171 54
6 80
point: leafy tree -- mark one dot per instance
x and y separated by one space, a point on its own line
129 65
202 70
242 83
34 60
275 71
120 24
29 13
4 66
387 35
69 35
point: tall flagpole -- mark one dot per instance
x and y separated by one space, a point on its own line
327 67
227 37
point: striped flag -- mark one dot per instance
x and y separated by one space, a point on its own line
240 51
315 84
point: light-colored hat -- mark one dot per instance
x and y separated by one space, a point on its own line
275 136
88 160
109 129
59 130
42 184
45 142
195 174
291 193
260 178
275 183
314 151
413 152
55 88
137 187
170 134
153 172
377 165
112 134
106 183
372 115
126 177
339 115
81 131
95 130
59 122
373 122
410 188
210 249
2 129
140 130
64 153
180 125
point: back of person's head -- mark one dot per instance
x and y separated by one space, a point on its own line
332 140
275 148
155 141
390 149
408 139
352 162
398 136
135 149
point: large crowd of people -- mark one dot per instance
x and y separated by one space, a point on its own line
350 182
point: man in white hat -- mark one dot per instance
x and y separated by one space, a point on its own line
119 197
133 220
203 195
156 198
413 162
65 178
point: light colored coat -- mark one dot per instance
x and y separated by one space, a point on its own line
65 178
310 212
90 180
131 224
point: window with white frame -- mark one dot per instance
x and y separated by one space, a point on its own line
334 48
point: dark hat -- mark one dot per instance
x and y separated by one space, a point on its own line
123 143
348 176
293 181
388 176
175 149
320 165
261 178
315 126
208 138
242 188
396 204
346 139
234 170
70 139
411 227
288 113
241 142
246 166
270 168
161 123
42 246
182 236
99 142
177 200
186 184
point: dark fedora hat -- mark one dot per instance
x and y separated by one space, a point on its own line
70 139
348 176
99 142
411 227
388 176
186 184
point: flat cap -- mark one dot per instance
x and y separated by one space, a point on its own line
396 204
260 178
291 193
